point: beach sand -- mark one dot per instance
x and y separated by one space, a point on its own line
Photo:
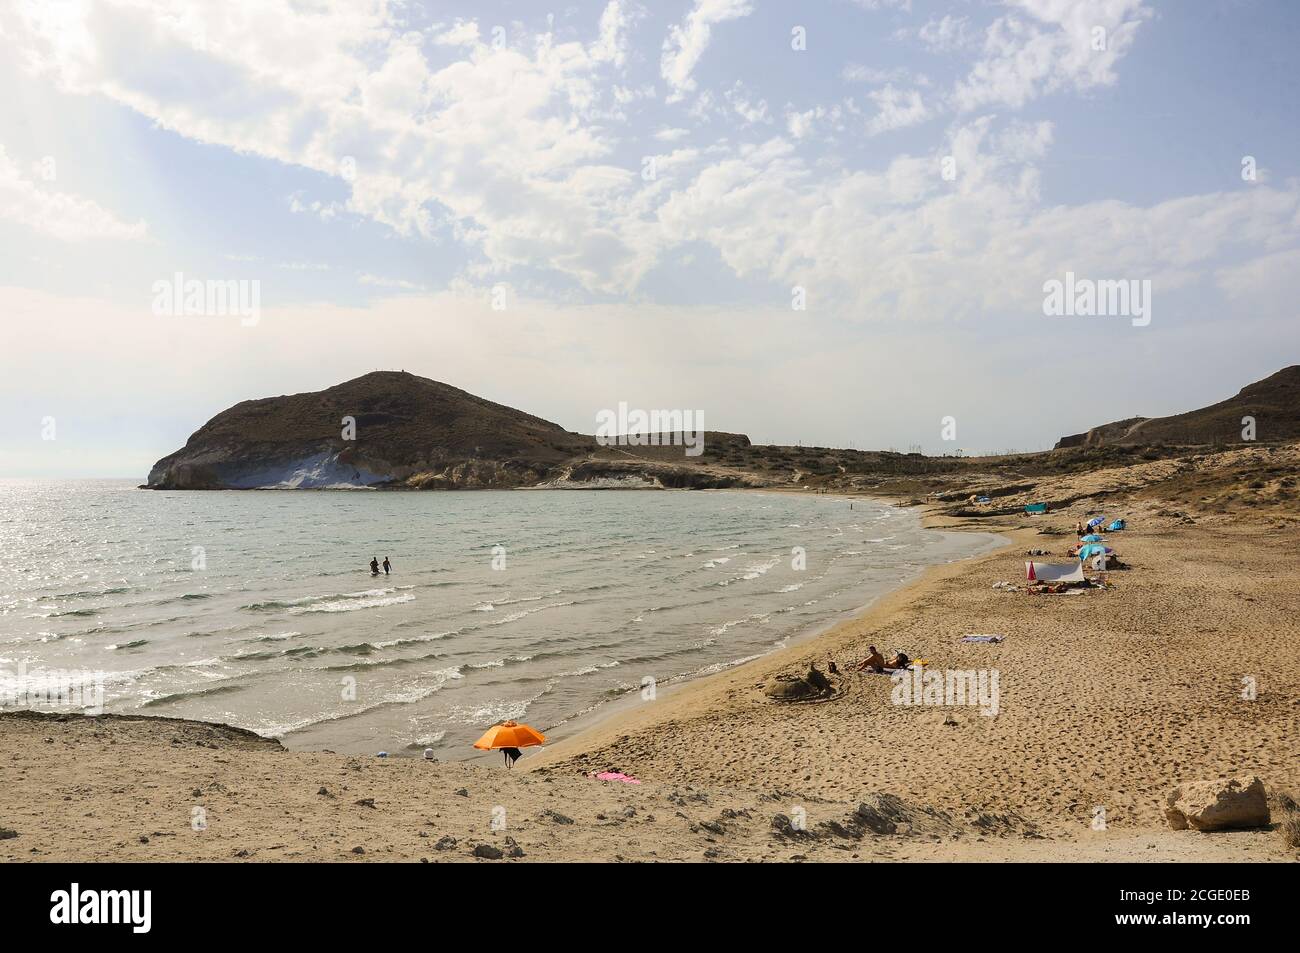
1107 700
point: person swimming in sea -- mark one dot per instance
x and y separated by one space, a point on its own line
387 566
374 566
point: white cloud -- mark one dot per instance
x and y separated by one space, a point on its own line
1063 45
749 110
1040 48
462 33
801 124
903 243
522 152
671 134
59 214
505 146
612 44
947 34
322 210
688 40
896 109
394 284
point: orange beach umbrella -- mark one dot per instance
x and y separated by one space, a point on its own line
509 734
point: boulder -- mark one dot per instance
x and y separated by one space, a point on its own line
1217 805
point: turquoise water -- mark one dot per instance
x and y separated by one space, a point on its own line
258 608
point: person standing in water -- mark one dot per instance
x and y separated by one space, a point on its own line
387 566
374 566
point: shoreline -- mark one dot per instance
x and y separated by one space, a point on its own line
631 714
576 726
587 726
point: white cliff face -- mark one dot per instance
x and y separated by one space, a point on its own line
323 471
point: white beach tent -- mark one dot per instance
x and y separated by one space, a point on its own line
1054 572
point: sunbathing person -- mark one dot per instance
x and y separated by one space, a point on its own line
899 661
875 662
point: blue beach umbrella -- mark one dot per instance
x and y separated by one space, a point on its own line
1096 521
1092 538
1094 549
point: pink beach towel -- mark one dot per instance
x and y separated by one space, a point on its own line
616 776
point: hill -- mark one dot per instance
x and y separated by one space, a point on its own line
381 428
1273 402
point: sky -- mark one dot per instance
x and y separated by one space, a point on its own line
831 223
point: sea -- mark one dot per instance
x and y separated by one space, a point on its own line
258 608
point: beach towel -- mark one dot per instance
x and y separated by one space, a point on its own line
1054 572
1036 508
616 776
988 639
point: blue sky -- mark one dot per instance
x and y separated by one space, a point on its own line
382 169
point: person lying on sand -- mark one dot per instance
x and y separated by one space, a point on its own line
899 661
875 662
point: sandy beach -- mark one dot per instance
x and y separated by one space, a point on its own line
1106 701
